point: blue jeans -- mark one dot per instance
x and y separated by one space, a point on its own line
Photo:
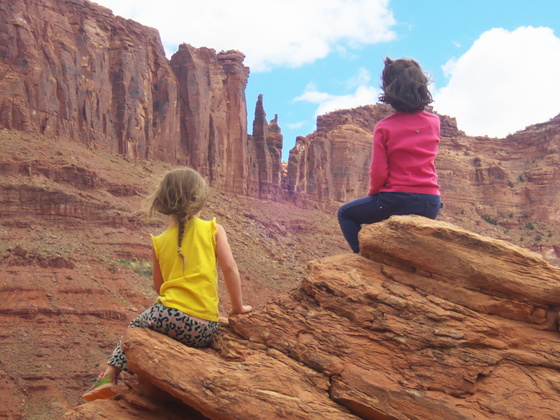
378 207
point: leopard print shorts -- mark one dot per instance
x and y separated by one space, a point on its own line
172 322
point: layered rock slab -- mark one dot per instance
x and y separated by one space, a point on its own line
260 384
484 274
401 340
405 336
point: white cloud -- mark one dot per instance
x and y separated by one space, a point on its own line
505 82
362 78
312 95
363 95
289 33
296 125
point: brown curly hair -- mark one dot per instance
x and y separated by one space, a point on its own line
182 192
405 86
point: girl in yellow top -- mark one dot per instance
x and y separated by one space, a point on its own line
185 273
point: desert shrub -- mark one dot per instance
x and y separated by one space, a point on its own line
141 267
489 219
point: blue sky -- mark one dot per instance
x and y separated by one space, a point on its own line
494 64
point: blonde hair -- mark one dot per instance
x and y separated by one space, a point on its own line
182 193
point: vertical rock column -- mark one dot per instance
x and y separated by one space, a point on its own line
213 114
236 144
263 159
275 142
267 140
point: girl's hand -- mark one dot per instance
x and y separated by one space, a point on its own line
245 309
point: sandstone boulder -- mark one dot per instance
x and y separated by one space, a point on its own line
431 321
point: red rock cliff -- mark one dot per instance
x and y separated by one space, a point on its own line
72 69
213 114
268 140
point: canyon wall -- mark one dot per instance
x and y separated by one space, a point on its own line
74 70
213 115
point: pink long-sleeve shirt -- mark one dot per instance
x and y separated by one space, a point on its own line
405 147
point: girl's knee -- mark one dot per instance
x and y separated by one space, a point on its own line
340 212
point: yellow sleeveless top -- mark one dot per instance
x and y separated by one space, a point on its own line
193 290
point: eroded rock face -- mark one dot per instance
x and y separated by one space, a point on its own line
213 115
268 141
72 69
332 164
432 321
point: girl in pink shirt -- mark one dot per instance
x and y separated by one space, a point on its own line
403 176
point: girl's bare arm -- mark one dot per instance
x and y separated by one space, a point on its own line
230 271
156 272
